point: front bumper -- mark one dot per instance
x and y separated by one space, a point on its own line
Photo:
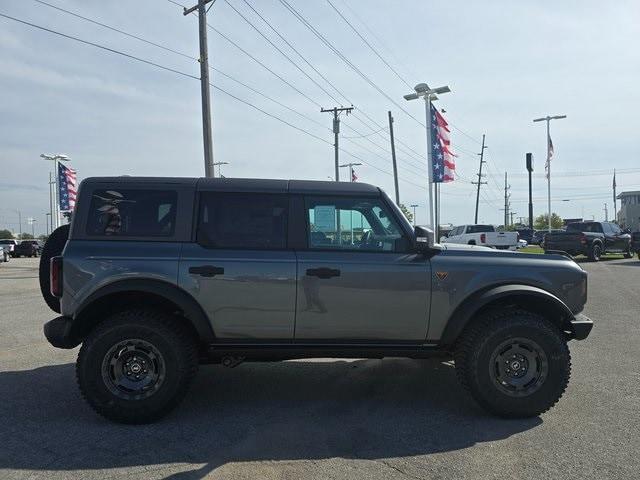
58 333
581 326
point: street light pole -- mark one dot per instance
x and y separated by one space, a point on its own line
548 120
422 90
414 205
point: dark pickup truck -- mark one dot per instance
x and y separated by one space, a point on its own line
635 243
592 239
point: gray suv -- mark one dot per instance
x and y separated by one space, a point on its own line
158 275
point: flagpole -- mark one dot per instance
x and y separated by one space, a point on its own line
427 103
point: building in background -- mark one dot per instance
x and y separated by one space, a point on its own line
629 214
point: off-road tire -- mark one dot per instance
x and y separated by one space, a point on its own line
477 345
52 248
173 342
595 252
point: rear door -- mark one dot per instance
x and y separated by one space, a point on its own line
358 281
240 268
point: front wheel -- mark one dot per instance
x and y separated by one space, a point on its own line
136 366
514 363
595 253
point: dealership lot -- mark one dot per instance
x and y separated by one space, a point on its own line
391 418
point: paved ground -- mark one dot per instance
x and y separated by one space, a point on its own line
324 419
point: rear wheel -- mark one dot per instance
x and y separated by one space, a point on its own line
136 366
514 363
595 253
52 248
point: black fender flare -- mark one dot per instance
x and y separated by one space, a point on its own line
190 308
542 301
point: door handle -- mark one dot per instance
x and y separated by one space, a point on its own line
323 272
206 270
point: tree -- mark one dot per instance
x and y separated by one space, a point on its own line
542 222
406 212
26 236
5 234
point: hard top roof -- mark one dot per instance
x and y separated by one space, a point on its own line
246 184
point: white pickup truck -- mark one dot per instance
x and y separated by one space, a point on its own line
484 235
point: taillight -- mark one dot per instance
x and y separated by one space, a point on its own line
483 238
55 276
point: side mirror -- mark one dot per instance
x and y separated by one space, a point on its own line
425 238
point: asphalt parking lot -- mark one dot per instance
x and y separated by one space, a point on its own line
373 419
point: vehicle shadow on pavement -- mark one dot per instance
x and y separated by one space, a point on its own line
364 409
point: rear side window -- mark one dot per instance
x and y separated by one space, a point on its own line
132 213
480 228
243 220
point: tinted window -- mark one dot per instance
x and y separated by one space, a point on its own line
351 224
243 220
132 213
480 228
593 227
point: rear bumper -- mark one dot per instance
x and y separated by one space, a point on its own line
581 326
58 333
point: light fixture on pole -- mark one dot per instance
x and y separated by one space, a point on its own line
219 168
414 206
422 90
549 154
53 198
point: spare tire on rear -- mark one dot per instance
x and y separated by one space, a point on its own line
52 248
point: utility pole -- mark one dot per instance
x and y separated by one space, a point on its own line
204 85
336 131
19 223
606 213
414 213
218 164
511 215
479 182
506 200
393 159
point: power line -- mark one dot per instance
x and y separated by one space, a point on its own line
340 55
95 22
368 44
102 47
235 97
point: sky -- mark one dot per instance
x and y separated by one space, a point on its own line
506 63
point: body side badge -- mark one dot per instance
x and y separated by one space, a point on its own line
442 275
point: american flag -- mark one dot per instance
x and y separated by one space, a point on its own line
67 189
546 165
443 163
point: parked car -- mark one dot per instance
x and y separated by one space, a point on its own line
27 248
485 235
526 234
538 235
159 275
10 245
592 239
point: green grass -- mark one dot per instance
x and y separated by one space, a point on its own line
531 249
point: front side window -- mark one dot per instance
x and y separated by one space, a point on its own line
132 213
351 224
243 220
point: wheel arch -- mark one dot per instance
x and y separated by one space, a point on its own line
526 297
125 294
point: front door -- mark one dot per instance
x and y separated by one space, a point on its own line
358 281
240 269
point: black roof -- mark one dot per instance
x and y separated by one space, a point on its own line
246 184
